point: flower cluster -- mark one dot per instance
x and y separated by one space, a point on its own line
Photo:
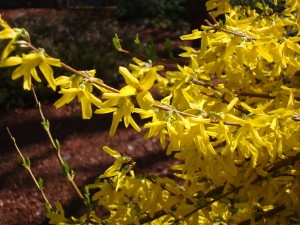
230 115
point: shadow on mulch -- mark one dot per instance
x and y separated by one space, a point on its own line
82 141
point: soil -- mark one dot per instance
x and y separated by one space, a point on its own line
81 141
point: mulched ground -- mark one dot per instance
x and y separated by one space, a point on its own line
82 142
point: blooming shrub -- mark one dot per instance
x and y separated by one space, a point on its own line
230 113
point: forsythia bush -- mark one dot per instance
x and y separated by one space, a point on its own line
230 113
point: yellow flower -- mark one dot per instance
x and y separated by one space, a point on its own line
27 69
122 108
142 67
139 88
8 33
221 6
120 104
77 86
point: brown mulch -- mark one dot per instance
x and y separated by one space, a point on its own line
82 142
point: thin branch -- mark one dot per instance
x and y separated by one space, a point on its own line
256 95
90 79
226 102
57 149
206 204
27 167
201 83
283 162
263 215
143 57
69 68
217 27
261 95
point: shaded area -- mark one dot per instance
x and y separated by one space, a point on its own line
82 143
55 3
81 39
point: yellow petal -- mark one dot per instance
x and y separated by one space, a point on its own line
129 79
48 74
262 50
134 125
35 75
8 49
196 34
7 33
232 104
105 110
52 61
27 81
11 61
148 80
145 100
86 107
62 80
127 91
117 117
96 101
65 99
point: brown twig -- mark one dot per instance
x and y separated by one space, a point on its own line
217 27
263 215
143 57
201 83
261 95
90 79
284 162
206 204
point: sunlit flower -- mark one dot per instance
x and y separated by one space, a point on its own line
76 86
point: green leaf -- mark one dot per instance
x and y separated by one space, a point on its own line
41 183
65 168
25 35
46 124
26 162
72 174
116 43
138 43
221 23
151 51
20 42
87 199
47 207
168 47
57 144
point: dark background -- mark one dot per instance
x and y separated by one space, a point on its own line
54 3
